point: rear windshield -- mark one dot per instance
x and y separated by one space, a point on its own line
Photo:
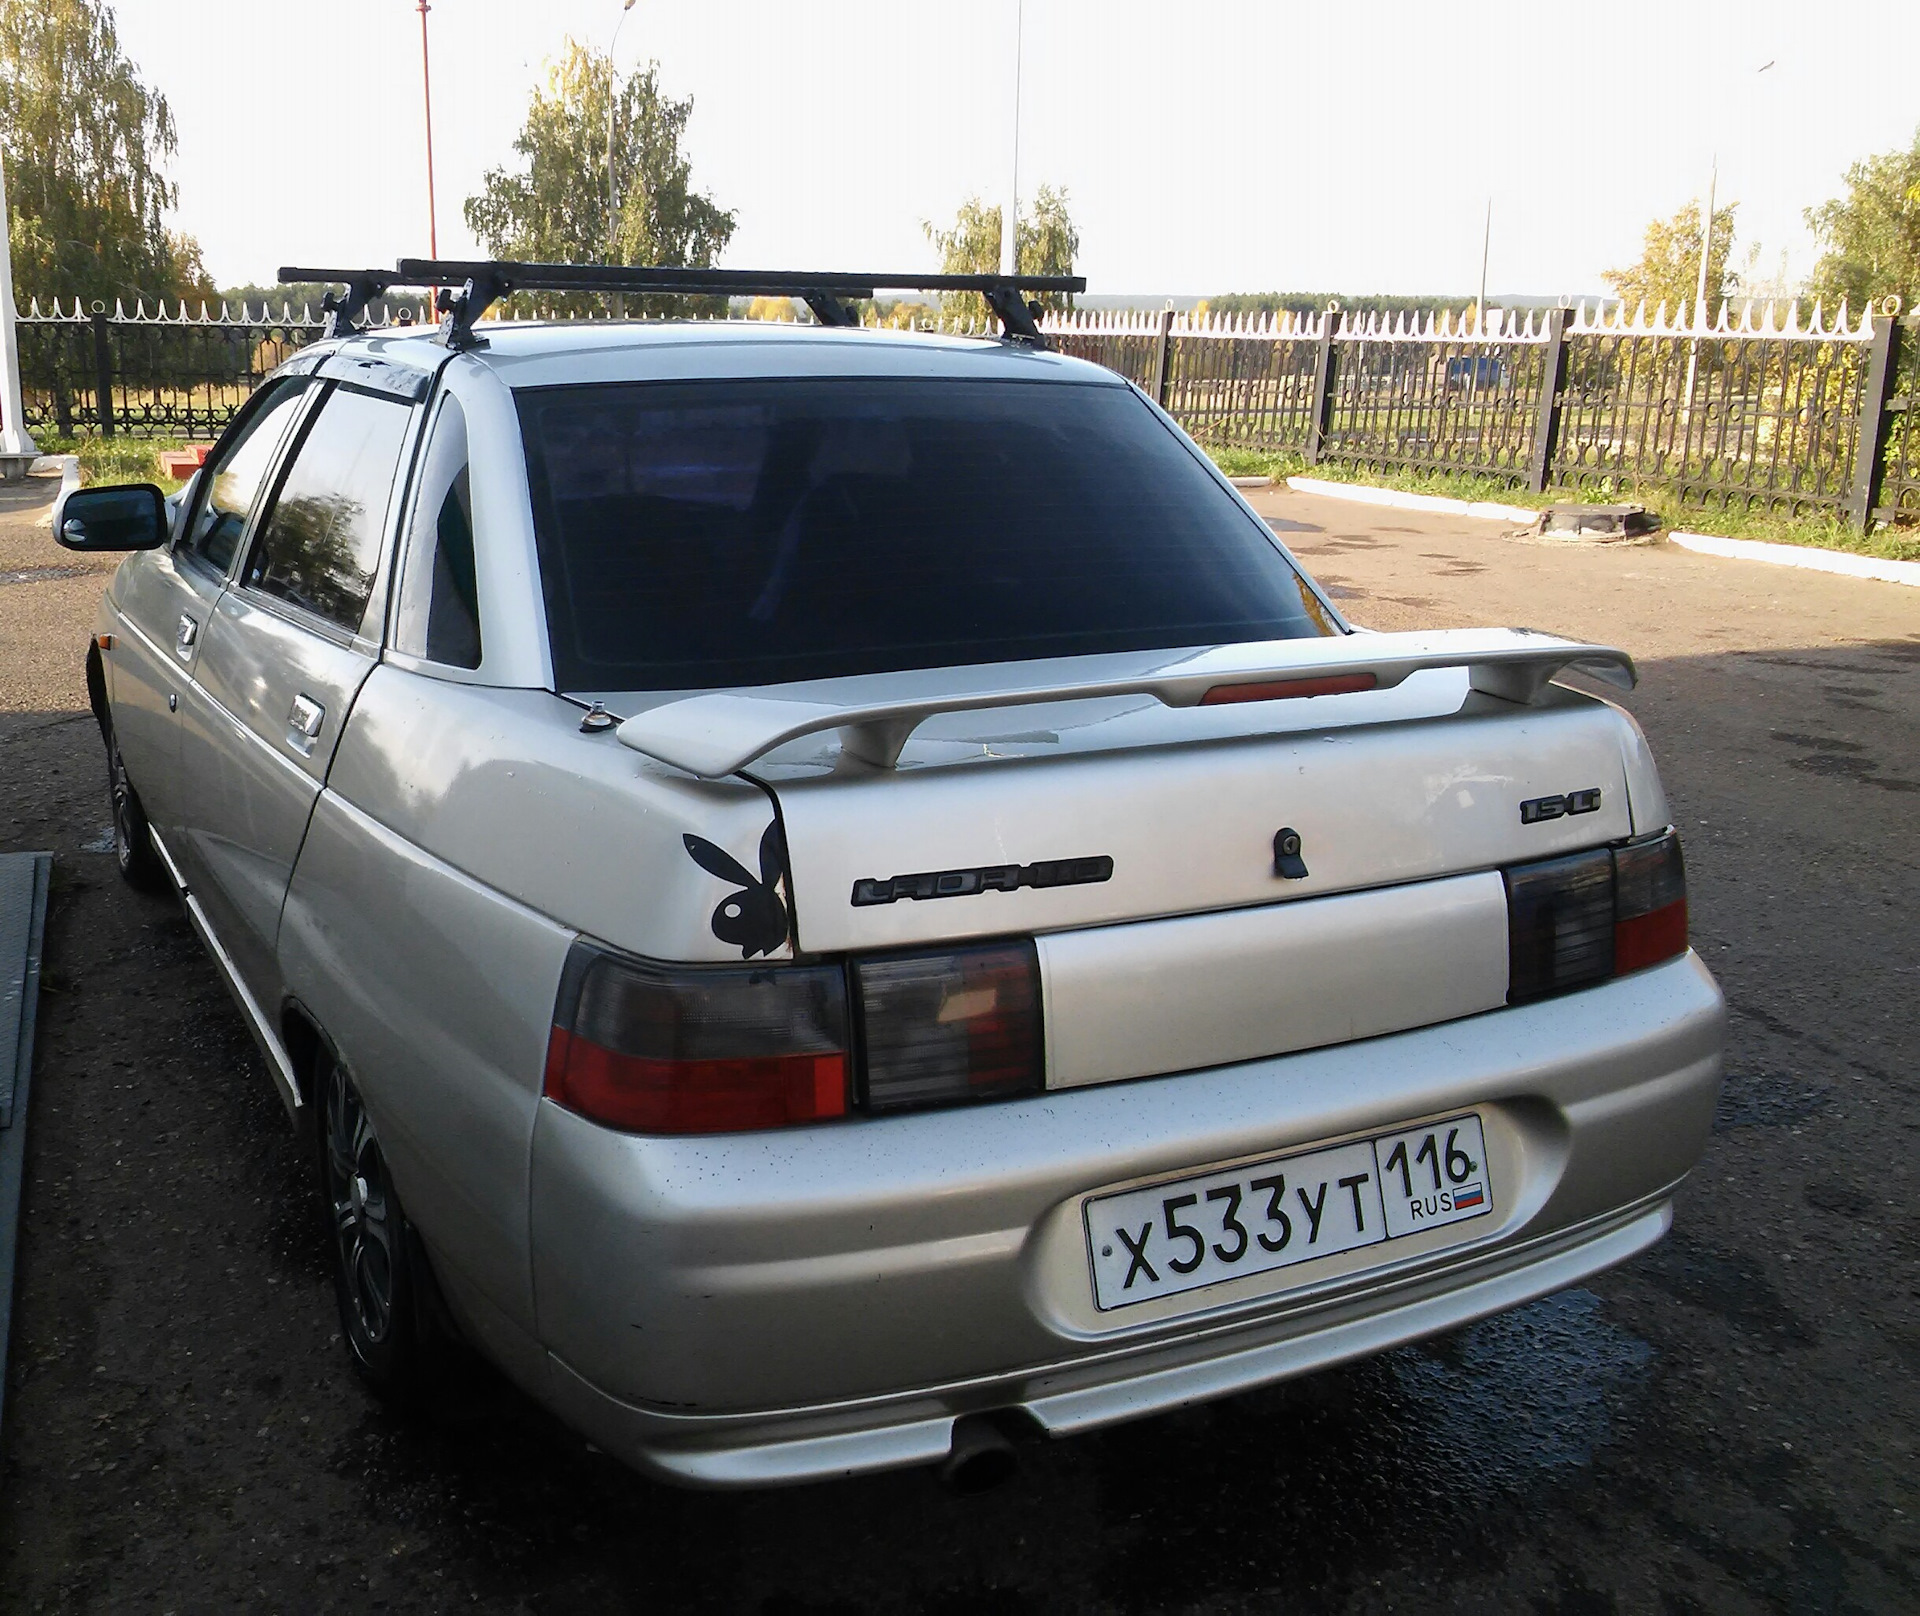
695 534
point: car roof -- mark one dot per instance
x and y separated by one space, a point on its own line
547 353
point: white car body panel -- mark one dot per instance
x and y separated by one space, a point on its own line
1213 990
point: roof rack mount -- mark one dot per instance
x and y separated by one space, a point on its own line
363 286
484 281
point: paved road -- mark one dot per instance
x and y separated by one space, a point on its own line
1726 1425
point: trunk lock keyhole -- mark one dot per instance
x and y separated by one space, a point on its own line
1287 862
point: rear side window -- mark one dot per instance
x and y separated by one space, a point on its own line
438 616
321 541
749 532
236 475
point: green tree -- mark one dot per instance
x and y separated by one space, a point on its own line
554 208
86 146
1669 267
1046 244
1872 233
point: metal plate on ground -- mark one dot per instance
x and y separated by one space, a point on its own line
24 878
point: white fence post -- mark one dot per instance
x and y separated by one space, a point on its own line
14 442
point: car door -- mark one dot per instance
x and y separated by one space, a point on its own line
166 596
281 659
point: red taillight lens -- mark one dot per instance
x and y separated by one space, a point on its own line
698 1049
1578 920
1649 903
960 1024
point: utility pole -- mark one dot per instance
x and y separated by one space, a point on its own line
1700 285
15 444
1486 242
1010 209
426 101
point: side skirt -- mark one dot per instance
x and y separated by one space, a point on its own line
279 1063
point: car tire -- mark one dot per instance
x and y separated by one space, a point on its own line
133 849
381 1281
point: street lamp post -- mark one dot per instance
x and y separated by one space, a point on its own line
613 100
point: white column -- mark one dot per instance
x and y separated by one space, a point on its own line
13 430
1010 208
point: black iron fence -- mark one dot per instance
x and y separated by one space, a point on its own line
1751 411
1746 411
159 375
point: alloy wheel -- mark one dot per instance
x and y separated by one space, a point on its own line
360 1198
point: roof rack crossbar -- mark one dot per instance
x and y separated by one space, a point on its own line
485 280
363 286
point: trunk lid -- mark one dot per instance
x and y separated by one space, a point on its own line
1097 812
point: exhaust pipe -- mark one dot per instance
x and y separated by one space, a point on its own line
980 1459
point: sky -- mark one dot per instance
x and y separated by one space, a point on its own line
1208 146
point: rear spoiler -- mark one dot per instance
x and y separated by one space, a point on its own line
720 733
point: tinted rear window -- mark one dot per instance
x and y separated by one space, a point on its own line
740 533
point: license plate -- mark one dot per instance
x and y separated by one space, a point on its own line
1271 1214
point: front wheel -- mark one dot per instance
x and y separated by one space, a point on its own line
133 849
379 1274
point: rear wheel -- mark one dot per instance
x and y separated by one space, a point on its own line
379 1272
133 849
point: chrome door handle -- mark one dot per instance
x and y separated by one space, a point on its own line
304 719
185 635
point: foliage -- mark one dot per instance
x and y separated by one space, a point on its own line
772 308
1872 233
86 146
1669 267
902 315
554 208
1304 303
1046 243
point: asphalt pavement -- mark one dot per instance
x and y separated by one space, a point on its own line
1726 1424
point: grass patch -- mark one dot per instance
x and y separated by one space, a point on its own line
1236 462
1816 530
118 459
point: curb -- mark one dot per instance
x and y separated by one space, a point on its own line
1439 504
1843 562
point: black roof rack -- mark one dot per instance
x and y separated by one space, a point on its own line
484 281
363 286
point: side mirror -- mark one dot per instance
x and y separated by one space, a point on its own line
132 516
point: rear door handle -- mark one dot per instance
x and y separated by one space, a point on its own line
184 636
303 723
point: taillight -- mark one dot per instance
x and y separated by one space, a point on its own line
698 1049
958 1024
1578 920
677 1049
1649 903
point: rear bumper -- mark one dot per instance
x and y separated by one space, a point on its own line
781 1307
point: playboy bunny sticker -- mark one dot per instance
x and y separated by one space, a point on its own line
754 917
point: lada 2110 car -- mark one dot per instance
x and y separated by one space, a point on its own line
835 897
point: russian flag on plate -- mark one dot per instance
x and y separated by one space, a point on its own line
1472 1195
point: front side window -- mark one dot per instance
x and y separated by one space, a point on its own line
321 541
236 475
748 532
438 614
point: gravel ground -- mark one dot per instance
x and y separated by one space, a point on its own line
1725 1425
